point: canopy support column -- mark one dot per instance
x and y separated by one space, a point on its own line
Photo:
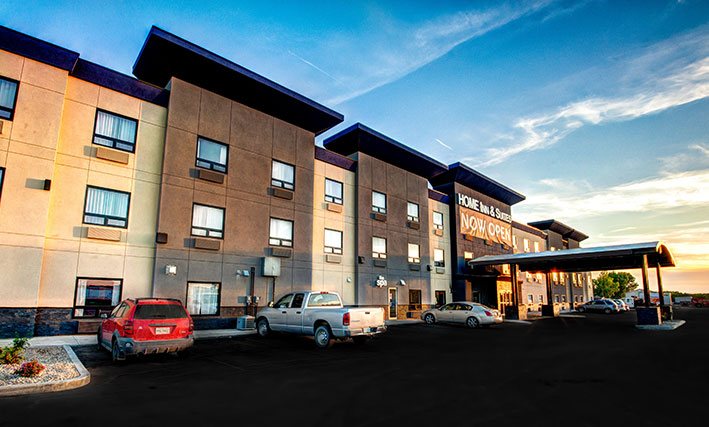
647 315
515 289
550 308
646 285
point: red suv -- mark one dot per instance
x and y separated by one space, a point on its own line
144 326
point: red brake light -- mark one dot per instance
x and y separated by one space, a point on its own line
346 319
488 314
128 328
191 326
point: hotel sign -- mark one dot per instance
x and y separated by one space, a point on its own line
483 221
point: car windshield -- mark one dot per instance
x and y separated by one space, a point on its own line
160 311
323 300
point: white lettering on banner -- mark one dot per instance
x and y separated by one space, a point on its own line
475 224
477 205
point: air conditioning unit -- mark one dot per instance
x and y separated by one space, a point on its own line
245 322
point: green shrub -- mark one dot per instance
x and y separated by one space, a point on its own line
14 353
30 369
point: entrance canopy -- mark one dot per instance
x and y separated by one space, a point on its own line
618 257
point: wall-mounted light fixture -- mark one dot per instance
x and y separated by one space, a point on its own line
171 270
402 282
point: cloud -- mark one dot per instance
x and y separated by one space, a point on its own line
663 86
443 144
305 61
407 48
696 157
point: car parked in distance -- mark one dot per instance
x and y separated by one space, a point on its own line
321 315
145 326
600 306
471 314
621 304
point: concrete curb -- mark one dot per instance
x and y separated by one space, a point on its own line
51 386
667 325
519 322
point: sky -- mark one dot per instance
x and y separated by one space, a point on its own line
597 111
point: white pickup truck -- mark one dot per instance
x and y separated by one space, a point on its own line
322 315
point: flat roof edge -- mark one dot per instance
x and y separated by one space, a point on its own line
39 50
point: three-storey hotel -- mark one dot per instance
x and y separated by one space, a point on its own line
198 179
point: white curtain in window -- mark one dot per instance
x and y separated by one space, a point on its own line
413 210
438 255
207 217
106 202
281 229
333 188
115 127
212 151
203 298
438 218
379 200
7 93
333 239
379 245
282 172
414 250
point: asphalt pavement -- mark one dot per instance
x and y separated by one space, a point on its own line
585 370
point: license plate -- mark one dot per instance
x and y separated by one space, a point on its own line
162 331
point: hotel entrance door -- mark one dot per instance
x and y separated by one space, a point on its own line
393 302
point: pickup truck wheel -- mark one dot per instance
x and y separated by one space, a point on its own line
323 337
262 328
429 319
472 322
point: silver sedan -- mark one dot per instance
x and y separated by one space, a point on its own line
471 314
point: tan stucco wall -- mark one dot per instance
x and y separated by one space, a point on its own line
43 244
440 282
331 276
27 151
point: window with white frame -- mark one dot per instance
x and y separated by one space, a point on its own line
514 242
530 298
539 277
8 98
541 298
437 220
414 253
207 221
115 131
333 191
468 256
212 155
283 175
281 233
379 247
528 276
526 245
95 297
412 211
556 298
439 258
333 241
203 298
536 246
106 207
379 202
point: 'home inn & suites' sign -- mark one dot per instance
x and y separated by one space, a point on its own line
483 221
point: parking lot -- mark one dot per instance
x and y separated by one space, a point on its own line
584 370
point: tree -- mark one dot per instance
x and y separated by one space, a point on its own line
605 286
626 283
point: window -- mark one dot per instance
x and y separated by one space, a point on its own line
112 130
530 298
556 298
437 220
467 256
281 232
536 246
539 277
379 247
563 298
526 245
207 221
212 155
414 256
514 242
95 297
440 298
324 300
528 276
2 179
541 297
298 301
414 299
283 175
106 207
412 211
203 299
506 269
333 241
438 258
379 202
284 302
333 191
8 98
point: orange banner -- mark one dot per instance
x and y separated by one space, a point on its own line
482 226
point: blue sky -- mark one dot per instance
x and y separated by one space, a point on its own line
597 111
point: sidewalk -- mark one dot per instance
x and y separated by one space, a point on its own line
91 339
